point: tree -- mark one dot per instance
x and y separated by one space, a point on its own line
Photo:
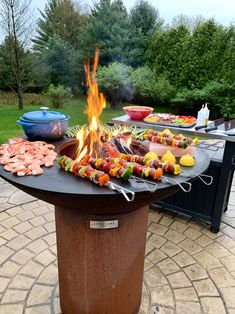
227 70
7 64
150 88
16 23
61 19
58 94
189 22
208 44
107 27
145 17
115 81
59 64
167 54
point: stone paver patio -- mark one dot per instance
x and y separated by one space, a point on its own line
188 269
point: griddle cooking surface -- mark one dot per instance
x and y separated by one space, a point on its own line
56 180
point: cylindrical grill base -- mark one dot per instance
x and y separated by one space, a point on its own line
100 270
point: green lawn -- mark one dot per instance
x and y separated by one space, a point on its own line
9 112
75 109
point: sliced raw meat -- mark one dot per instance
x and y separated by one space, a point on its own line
22 157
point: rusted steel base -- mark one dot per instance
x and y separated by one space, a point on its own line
100 271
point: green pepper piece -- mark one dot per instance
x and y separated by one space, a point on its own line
126 174
60 160
185 144
67 165
144 172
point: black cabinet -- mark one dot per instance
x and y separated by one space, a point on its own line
200 201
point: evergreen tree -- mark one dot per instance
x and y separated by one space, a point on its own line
227 71
167 54
108 28
60 18
208 45
59 64
145 17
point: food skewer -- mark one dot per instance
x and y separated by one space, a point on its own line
113 166
164 138
167 167
96 176
107 164
155 163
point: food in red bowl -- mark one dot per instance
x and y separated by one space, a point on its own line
138 112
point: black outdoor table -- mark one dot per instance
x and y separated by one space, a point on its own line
100 236
223 159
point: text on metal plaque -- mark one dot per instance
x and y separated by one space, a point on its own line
103 224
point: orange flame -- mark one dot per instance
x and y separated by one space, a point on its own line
90 139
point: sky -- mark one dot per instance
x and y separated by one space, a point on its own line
221 10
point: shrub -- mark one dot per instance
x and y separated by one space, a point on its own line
188 101
151 89
115 81
219 94
222 96
58 94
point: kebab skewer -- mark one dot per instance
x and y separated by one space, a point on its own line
140 170
112 166
83 171
166 138
167 167
99 177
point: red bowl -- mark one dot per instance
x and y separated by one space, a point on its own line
138 112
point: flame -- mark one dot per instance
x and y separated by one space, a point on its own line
90 139
81 137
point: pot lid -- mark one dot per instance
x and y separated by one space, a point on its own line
43 116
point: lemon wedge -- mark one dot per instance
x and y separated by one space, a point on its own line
150 155
187 160
168 156
166 131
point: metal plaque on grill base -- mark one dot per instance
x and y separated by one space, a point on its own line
103 224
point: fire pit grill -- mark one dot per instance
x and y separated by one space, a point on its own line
100 236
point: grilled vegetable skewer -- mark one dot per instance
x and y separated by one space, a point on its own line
96 176
83 171
167 167
117 167
113 169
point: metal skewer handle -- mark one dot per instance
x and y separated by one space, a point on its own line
207 177
118 188
200 176
180 184
146 183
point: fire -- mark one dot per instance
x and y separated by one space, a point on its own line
90 139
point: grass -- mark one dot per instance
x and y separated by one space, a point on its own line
9 114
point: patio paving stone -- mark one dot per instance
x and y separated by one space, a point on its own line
188 269
213 305
188 307
205 288
185 294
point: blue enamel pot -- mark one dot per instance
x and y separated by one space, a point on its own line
44 124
